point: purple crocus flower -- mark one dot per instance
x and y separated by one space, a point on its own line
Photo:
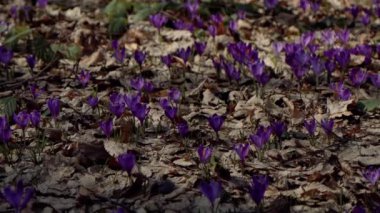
14 11
164 103
278 47
258 187
204 153
21 119
84 77
217 64
270 4
365 50
174 95
327 125
344 36
42 3
127 162
241 14
340 90
35 118
93 101
212 30
366 17
140 111
304 4
375 79
233 27
317 65
211 190
31 60
315 5
278 128
342 56
217 18
261 137
132 100
358 209
181 25
231 72
328 37
313 48
298 59
372 174
167 60
184 54
242 151
171 112
183 128
310 126
6 55
148 87
158 20
139 57
200 47
257 69
54 107
35 90
258 72
115 44
307 38
117 104
216 122
354 10
377 10
242 52
19 197
330 66
357 76
192 8
198 22
137 83
106 127
5 130
120 55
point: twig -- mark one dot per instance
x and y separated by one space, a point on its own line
17 83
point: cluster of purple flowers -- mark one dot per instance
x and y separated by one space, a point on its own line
23 118
364 13
303 56
141 85
212 189
169 105
119 102
261 137
326 124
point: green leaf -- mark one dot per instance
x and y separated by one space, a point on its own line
117 8
69 51
117 25
144 10
42 49
73 52
17 33
8 106
369 105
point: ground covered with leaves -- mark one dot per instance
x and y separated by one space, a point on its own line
195 106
